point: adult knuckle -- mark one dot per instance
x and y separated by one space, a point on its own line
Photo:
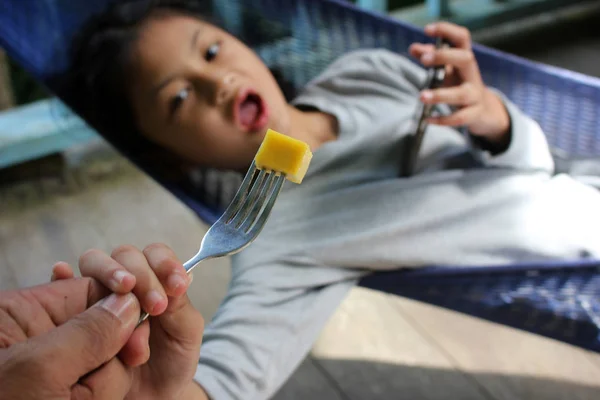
167 265
14 324
6 340
11 302
6 296
152 247
161 256
89 255
123 249
10 331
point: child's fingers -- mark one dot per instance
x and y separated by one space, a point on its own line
181 321
464 60
457 35
61 270
463 95
462 117
98 265
137 349
148 289
168 269
418 49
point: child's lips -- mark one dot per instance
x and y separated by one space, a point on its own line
250 111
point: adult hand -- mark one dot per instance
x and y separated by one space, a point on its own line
165 348
478 108
57 341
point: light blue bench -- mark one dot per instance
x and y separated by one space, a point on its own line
472 13
39 129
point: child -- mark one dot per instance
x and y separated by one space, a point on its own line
165 80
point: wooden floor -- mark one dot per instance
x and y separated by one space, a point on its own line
375 347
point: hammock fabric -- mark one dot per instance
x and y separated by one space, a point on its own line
560 300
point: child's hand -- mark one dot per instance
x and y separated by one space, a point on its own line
165 349
478 108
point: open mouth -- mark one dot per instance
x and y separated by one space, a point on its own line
251 111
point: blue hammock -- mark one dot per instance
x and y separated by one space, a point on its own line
560 300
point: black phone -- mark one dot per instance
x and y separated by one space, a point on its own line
435 78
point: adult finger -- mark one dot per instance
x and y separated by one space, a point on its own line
98 265
462 95
41 308
112 381
167 268
137 349
91 338
147 288
459 36
181 321
62 270
461 117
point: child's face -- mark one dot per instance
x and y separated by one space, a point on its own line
201 93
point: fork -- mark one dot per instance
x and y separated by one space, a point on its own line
242 221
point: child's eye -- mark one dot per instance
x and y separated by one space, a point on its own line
212 51
178 100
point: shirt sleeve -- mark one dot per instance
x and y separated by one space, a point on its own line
260 334
367 74
528 148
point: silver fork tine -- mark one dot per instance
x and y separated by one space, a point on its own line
259 204
241 194
252 198
272 197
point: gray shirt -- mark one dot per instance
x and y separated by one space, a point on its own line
353 214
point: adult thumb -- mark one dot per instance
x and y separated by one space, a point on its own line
93 337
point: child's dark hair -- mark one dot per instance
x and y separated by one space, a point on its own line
95 84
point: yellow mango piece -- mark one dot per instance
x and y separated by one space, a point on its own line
284 154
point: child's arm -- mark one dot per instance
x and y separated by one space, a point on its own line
510 137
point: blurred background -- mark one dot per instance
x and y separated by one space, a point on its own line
61 194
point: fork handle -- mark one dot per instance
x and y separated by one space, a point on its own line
189 265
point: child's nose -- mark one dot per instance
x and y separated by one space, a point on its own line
226 88
215 86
